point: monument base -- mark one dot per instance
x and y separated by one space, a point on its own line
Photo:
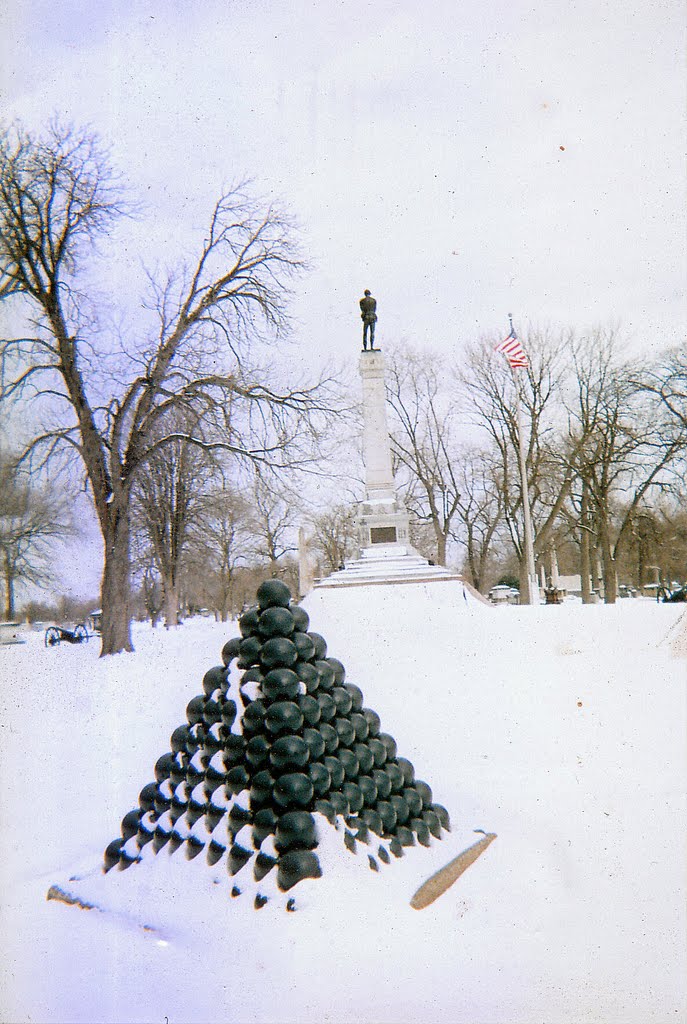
387 563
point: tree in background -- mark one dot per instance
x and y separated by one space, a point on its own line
334 536
106 399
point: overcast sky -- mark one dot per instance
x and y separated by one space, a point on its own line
461 160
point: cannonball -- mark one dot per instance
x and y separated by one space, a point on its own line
248 622
254 715
405 835
338 801
276 622
249 652
130 823
387 812
321 778
345 731
163 767
354 795
373 820
365 757
252 675
295 831
359 723
425 792
326 807
350 762
237 857
264 824
194 709
262 785
262 866
330 737
443 816
281 684
289 752
433 822
112 853
231 650
295 866
421 830
356 696
310 709
258 751
378 751
303 644
401 807
229 712
238 817
300 617
278 653
293 790
214 679
342 699
339 671
368 788
382 782
396 776
336 771
283 716
326 674
308 675
146 798
273 593
320 644
408 770
214 852
327 706
212 712
234 750
237 779
179 739
315 741
414 801
390 744
373 720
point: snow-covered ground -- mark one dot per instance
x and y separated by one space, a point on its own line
562 729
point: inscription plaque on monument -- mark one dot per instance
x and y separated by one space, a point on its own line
383 535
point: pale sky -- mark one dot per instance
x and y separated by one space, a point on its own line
461 160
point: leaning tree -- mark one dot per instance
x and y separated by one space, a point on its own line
105 398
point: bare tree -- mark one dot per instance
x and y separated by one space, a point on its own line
58 197
224 543
479 511
275 513
32 518
335 536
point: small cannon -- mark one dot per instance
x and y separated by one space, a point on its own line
55 635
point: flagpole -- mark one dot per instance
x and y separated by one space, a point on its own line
532 586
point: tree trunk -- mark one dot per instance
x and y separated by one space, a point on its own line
609 570
171 599
115 593
9 589
585 549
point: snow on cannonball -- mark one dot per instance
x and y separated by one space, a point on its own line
321 778
273 593
194 709
113 853
278 653
258 751
281 684
365 757
338 801
408 770
342 699
373 720
300 617
335 769
283 716
330 737
327 706
289 752
310 708
354 795
249 652
296 865
179 739
231 650
359 723
130 824
326 674
315 741
146 798
163 767
339 671
261 788
196 736
229 711
379 751
214 679
295 831
248 622
320 645
413 799
237 857
369 789
303 644
382 782
351 765
344 730
276 622
293 790
237 779
356 696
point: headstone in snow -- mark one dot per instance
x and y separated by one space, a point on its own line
243 787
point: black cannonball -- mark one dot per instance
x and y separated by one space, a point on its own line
231 650
315 741
401 807
433 822
345 731
387 813
354 795
396 776
359 723
261 788
405 835
336 771
254 716
214 852
238 817
339 671
258 751
237 779
194 709
163 767
249 652
378 750
234 750
303 644
237 857
330 737
193 847
113 853
421 830
327 706
365 757
326 807
252 675
214 679
276 622
390 744
278 652
146 798
413 799
293 790
382 782
262 866
320 645
326 674
321 778
212 712
273 593
350 762
130 824
309 675
373 820
442 814
356 696
310 708
408 770
281 684
295 831
425 793
229 712
248 622
342 699
368 788
289 752
295 866
338 801
373 720
179 739
264 824
300 617
283 716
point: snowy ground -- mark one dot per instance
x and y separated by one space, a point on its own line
561 729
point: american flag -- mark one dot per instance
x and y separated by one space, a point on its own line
513 350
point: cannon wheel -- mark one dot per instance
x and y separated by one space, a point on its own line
81 634
52 636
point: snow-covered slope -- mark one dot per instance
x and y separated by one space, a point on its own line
561 729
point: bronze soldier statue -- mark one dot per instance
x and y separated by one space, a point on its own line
368 315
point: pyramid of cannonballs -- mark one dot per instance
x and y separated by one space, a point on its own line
244 787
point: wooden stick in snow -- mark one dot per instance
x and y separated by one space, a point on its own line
430 890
